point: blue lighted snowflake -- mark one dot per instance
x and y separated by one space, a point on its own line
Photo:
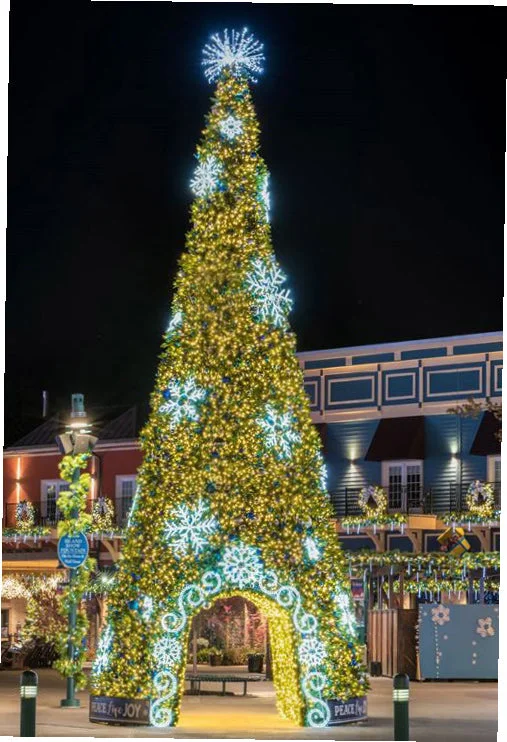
241 565
239 52
175 322
346 615
103 656
312 652
206 177
189 529
264 197
231 127
183 401
313 550
167 651
264 283
279 430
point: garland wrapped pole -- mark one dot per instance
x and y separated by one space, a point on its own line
76 444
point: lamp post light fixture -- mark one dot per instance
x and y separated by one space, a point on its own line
77 439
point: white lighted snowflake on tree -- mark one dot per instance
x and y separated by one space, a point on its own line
238 51
279 431
231 127
313 551
189 529
148 607
241 565
345 612
102 655
312 652
264 196
167 651
264 283
174 322
323 478
183 399
206 177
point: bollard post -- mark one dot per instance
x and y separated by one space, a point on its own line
400 703
28 693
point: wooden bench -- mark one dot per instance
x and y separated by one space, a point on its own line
196 679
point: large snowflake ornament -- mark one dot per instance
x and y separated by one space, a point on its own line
323 478
206 177
346 616
103 655
167 651
279 431
189 529
183 399
175 322
312 652
312 548
264 196
238 51
241 565
264 283
230 127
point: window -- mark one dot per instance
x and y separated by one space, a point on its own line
403 481
125 491
50 491
495 474
5 623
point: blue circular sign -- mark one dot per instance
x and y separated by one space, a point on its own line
73 550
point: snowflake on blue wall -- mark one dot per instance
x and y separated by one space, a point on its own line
241 565
279 431
183 399
206 177
264 283
189 529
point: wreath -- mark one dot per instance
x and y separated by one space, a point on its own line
25 515
102 515
480 499
373 500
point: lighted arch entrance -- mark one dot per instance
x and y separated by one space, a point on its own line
299 654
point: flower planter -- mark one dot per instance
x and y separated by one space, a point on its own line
255 662
215 659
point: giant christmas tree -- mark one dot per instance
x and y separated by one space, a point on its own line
232 493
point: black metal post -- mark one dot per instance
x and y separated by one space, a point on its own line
400 706
28 692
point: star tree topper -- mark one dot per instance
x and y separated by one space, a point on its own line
238 51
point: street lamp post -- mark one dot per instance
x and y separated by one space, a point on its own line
77 439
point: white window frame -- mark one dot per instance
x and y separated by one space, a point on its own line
491 467
404 464
120 479
44 486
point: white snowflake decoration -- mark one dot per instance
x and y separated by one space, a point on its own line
241 565
175 322
485 627
264 283
345 611
264 196
148 607
167 651
440 615
206 177
312 652
102 656
133 507
323 478
189 529
239 51
313 551
231 127
183 401
279 431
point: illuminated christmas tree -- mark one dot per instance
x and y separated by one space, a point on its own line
232 495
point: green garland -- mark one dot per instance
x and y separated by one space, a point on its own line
432 585
435 560
463 517
70 502
34 532
378 520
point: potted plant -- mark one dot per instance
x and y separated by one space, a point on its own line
215 657
255 661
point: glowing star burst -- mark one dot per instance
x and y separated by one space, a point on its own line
206 177
231 127
313 551
312 652
167 651
264 283
264 195
183 401
238 51
279 431
241 565
189 529
102 656
175 322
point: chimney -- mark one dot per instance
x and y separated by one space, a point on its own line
45 403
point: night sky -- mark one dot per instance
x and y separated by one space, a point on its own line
383 129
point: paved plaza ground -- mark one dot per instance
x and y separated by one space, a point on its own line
451 712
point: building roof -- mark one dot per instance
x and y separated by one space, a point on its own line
109 423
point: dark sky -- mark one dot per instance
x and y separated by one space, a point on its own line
383 129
